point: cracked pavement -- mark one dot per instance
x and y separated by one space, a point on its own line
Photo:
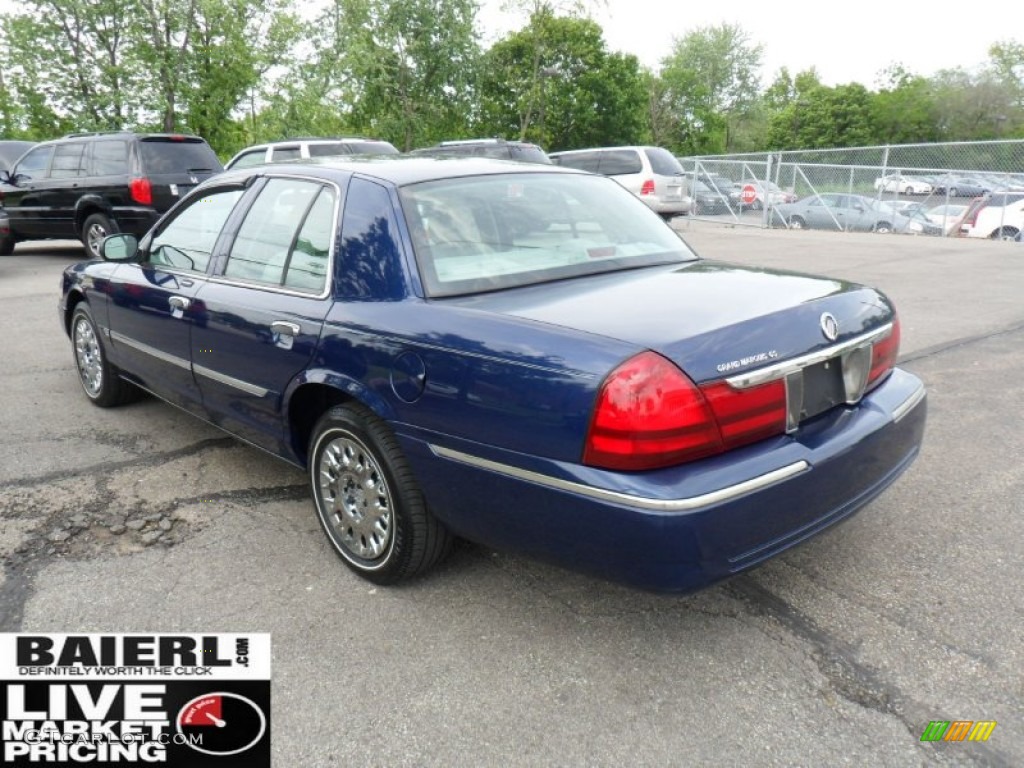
836 653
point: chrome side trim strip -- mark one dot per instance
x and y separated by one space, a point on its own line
777 371
615 497
908 405
231 381
151 351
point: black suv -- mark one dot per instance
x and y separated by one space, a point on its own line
88 185
520 151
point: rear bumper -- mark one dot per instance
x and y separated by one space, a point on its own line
682 528
682 206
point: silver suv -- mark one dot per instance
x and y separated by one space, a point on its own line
303 149
651 173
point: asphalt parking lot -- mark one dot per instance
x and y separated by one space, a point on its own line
837 653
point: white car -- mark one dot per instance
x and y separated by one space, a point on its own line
1000 217
947 216
903 185
304 149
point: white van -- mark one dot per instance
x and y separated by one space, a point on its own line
651 173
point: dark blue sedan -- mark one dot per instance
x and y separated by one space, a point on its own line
524 356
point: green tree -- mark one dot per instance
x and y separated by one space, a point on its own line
711 77
904 109
823 117
585 96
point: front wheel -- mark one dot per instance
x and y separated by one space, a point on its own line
368 502
99 378
6 246
96 227
795 222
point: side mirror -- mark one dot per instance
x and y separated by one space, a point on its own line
119 248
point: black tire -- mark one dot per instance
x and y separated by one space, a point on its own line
6 246
797 222
953 192
96 227
100 380
1005 233
883 227
387 535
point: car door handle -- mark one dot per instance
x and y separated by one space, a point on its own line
285 328
179 302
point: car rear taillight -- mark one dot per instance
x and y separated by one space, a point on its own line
649 415
972 215
647 188
141 191
883 355
747 415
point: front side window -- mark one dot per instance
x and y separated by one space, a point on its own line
35 163
285 231
493 232
187 241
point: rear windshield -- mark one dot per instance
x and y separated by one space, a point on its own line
167 155
663 162
487 233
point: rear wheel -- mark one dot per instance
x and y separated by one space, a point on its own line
6 246
100 379
368 502
96 227
954 192
883 227
1006 233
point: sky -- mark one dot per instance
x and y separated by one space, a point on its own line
846 43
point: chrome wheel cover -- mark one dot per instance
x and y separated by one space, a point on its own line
355 500
94 237
89 357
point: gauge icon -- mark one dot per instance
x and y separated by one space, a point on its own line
221 723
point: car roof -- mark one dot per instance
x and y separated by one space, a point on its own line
399 170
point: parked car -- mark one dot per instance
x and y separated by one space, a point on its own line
765 193
651 173
88 185
520 151
903 185
960 186
850 213
707 200
947 216
999 216
11 150
304 149
522 355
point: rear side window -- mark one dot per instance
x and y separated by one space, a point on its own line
328 150
663 162
620 162
67 161
306 269
177 156
583 161
372 148
35 163
284 154
249 159
262 248
528 153
109 158
1005 199
371 259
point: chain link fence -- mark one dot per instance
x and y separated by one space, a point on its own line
940 186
